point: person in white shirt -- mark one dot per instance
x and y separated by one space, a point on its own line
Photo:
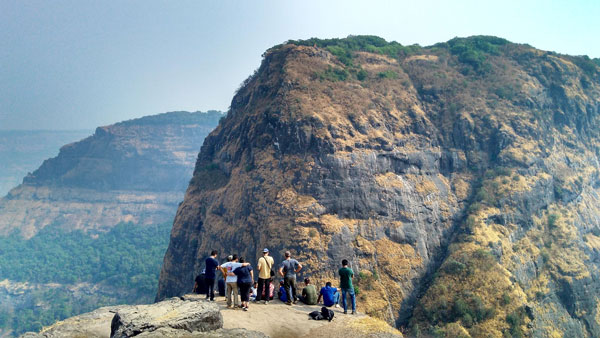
231 280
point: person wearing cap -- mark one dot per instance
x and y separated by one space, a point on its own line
265 264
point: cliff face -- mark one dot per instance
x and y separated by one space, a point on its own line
460 180
22 151
133 171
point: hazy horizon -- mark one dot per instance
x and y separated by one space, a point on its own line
70 65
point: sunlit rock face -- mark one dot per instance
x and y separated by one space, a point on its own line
460 180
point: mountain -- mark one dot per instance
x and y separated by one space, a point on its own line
90 226
22 151
134 171
460 180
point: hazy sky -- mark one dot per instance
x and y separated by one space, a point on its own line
80 64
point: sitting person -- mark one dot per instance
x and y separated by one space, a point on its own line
253 291
281 293
200 286
271 290
331 295
309 293
221 285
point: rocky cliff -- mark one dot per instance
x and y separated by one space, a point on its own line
23 151
460 180
133 171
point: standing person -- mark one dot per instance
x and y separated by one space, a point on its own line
231 281
346 275
288 269
245 278
309 293
265 264
331 295
209 277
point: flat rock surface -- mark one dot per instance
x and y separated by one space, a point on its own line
220 333
278 320
174 313
188 317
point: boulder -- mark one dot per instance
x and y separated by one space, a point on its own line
175 313
94 324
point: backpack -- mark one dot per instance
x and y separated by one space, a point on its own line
315 315
326 313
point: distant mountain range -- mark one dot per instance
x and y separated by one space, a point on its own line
134 171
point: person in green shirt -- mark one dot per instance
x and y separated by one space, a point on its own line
309 293
346 275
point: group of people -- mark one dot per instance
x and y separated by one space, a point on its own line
238 274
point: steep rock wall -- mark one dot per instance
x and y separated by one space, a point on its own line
434 172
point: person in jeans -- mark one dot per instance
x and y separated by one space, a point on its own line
211 265
245 278
331 295
346 275
231 280
288 269
265 264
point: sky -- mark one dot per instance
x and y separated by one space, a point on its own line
80 64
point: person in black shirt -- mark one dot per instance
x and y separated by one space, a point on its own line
211 266
200 284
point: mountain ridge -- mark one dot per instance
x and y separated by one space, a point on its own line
429 168
132 171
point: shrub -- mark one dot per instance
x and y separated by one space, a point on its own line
361 75
505 299
473 51
515 320
454 267
587 65
333 74
344 55
344 48
388 74
552 218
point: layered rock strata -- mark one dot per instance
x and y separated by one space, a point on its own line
133 171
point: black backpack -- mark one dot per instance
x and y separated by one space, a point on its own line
316 315
326 313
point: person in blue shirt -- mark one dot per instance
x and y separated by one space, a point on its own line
282 293
211 266
331 295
